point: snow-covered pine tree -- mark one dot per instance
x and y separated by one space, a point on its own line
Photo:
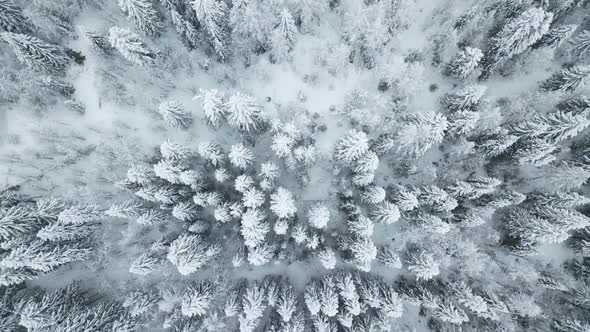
146 263
386 213
11 18
79 214
420 133
212 152
309 12
185 29
328 258
131 47
213 105
17 221
282 203
465 99
564 176
361 226
328 297
557 35
423 265
352 147
438 199
175 115
42 256
560 199
523 225
569 79
373 194
212 15
363 252
240 156
318 215
367 163
175 152
287 302
196 300
464 63
142 14
581 44
59 231
254 227
312 298
282 145
189 253
261 254
140 302
516 36
387 256
283 37
99 42
244 113
447 311
36 53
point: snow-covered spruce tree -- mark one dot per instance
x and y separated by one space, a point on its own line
131 47
142 14
212 15
515 37
464 63
465 99
240 156
557 35
581 44
175 115
352 147
36 53
568 79
189 253
11 18
282 203
213 105
420 132
243 112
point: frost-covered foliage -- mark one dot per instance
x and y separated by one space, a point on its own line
301 165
